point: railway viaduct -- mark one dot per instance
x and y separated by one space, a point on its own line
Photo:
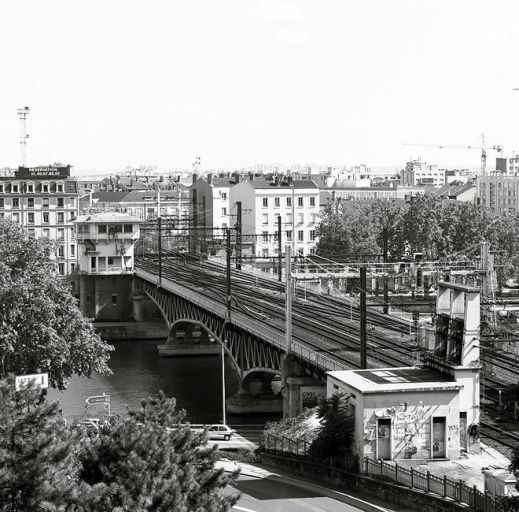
200 325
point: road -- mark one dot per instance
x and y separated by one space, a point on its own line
270 495
238 442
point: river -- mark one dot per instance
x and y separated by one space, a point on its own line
138 372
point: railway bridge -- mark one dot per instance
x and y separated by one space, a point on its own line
199 324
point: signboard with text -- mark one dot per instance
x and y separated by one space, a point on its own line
43 172
37 380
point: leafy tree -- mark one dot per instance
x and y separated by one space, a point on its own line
148 461
41 327
335 435
36 452
511 504
348 229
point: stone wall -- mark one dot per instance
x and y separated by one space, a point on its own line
411 498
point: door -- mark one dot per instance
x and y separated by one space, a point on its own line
93 262
463 431
384 439
438 440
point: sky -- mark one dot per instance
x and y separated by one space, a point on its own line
112 83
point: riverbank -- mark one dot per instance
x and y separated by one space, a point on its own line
122 331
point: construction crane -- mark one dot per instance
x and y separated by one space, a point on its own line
482 148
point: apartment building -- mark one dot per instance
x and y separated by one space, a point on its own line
418 173
499 192
44 201
296 202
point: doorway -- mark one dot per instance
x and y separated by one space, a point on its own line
438 438
384 439
463 431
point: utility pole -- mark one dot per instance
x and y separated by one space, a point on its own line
159 226
228 275
288 299
386 290
280 259
193 231
22 114
238 235
363 319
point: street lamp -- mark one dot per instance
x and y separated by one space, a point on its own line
223 342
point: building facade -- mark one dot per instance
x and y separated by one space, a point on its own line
106 258
44 201
296 202
499 192
418 173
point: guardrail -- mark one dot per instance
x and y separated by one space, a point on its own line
456 490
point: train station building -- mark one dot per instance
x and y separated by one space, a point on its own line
427 412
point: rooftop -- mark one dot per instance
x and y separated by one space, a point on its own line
108 218
387 380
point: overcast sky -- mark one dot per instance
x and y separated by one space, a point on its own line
118 82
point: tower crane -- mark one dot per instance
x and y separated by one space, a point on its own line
482 148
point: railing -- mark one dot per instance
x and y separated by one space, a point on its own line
109 270
285 445
456 490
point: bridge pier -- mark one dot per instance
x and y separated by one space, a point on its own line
245 402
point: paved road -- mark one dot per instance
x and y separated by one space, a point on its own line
238 442
270 495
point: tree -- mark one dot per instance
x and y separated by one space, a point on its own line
335 434
36 450
149 461
41 327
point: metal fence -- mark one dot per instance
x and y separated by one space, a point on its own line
285 445
456 490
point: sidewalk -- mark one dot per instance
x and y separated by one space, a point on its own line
468 468
353 499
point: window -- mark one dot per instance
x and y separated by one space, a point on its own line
61 269
30 187
265 253
60 187
61 234
312 235
45 188
61 217
16 202
1 188
61 251
46 218
312 201
224 225
289 201
265 235
300 218
31 232
114 299
72 250
30 218
276 202
101 228
30 202
61 202
265 219
289 218
93 262
301 252
265 202
46 232
312 218
15 189
1 202
289 236
110 261
313 250
45 202
224 195
224 211
301 235
299 201
128 228
16 217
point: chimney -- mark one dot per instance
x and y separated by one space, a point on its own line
276 181
289 180
195 177
210 178
251 176
237 177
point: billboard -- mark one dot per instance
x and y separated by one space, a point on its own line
48 171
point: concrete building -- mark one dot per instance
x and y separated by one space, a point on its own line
418 173
499 192
106 258
422 413
465 192
368 193
44 201
263 201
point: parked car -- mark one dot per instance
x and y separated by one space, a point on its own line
220 432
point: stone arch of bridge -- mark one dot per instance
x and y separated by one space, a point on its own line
188 321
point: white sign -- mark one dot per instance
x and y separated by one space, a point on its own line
99 399
37 380
98 408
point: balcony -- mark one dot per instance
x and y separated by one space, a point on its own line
108 270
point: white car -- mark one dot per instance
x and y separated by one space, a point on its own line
220 432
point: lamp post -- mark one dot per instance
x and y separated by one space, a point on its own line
222 343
